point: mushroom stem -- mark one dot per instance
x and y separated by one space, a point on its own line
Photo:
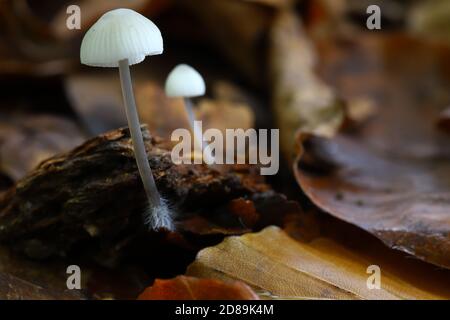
190 111
136 135
191 116
198 139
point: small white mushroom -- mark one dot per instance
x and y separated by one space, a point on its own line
121 38
186 82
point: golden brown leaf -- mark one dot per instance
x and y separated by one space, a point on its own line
278 266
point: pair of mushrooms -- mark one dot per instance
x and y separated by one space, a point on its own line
121 38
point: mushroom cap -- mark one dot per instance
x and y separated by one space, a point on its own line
185 81
120 34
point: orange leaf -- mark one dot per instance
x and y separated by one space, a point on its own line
190 288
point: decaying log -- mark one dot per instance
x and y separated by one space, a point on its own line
93 195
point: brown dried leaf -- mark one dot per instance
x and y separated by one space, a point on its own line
277 266
392 177
189 288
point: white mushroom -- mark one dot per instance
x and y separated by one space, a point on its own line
121 38
120 34
186 82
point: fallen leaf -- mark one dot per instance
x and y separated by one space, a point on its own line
392 176
277 266
189 288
